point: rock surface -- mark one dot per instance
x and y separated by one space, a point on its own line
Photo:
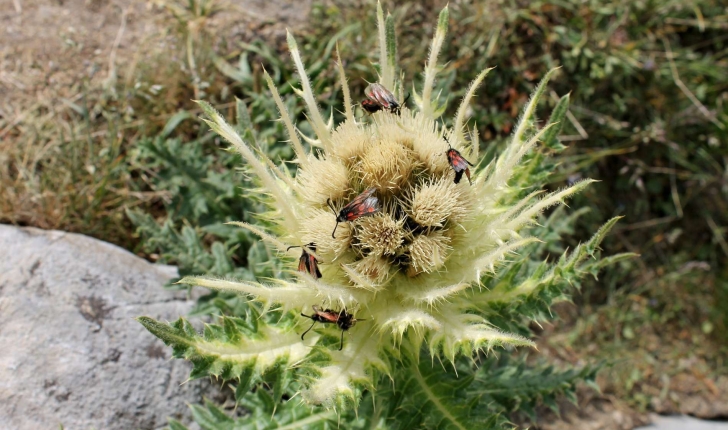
71 352
682 422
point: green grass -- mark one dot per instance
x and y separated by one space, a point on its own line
649 119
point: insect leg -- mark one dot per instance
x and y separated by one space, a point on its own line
309 329
341 346
328 202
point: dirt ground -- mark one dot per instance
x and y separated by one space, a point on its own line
47 47
670 373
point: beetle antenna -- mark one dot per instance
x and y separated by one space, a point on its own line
332 233
448 142
293 246
309 329
328 202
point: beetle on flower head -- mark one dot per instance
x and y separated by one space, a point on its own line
342 319
459 164
307 263
380 98
365 204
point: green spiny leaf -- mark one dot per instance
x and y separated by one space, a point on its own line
596 240
208 420
215 354
245 382
176 425
516 386
243 121
541 88
550 138
231 330
442 20
391 44
170 335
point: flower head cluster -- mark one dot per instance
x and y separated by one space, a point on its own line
412 240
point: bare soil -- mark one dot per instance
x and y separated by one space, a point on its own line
671 370
48 46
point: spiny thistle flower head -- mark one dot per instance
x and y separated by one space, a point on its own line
407 261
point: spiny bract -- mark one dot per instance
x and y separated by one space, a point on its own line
413 270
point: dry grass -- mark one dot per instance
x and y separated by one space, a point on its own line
77 97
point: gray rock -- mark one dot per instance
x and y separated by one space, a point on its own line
70 351
682 422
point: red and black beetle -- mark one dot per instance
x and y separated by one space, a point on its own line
307 263
342 319
459 164
378 98
364 204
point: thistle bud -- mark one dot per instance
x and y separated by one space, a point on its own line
386 165
380 234
323 179
428 253
377 269
433 203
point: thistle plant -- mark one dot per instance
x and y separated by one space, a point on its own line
431 268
